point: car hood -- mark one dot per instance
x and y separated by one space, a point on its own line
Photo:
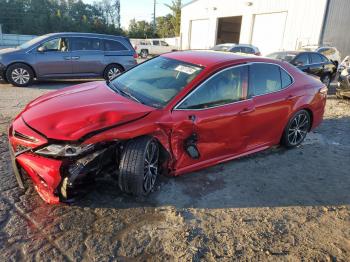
73 112
8 50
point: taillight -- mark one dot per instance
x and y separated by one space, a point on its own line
258 54
135 55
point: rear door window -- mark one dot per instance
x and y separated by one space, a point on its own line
86 44
302 59
111 45
248 50
315 59
266 78
156 42
236 49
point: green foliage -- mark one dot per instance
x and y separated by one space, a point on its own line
46 16
166 26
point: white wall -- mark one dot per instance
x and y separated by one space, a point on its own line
303 25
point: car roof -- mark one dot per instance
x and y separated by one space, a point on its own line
209 58
83 34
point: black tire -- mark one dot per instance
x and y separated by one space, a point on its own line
111 71
296 130
327 79
144 53
133 168
20 75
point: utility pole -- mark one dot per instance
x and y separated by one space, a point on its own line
154 15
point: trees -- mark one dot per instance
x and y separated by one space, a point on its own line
46 16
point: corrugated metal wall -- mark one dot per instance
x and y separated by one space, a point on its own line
338 25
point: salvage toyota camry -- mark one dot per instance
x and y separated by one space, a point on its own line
173 114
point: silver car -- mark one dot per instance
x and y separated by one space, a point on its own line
65 56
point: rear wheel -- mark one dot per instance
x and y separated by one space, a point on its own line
112 71
144 53
19 75
296 129
139 166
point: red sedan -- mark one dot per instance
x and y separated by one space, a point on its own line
173 114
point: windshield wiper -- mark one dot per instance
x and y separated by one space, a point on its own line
124 93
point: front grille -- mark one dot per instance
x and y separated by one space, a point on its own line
24 137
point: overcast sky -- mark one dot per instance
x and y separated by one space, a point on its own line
140 9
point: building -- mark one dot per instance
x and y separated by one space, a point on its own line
271 25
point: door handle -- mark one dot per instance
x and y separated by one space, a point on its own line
247 110
67 58
75 57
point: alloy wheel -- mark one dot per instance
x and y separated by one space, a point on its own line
298 128
113 72
150 166
20 76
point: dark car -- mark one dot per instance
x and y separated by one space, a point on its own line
174 114
310 62
66 55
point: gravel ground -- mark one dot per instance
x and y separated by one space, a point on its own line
277 205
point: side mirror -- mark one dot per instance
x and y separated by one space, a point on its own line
41 49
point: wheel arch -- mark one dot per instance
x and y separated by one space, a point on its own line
24 63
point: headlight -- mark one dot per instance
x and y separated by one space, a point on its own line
64 150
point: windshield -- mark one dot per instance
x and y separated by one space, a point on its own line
32 42
284 56
155 82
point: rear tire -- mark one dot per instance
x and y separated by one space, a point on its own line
296 130
139 166
20 75
112 71
326 79
144 53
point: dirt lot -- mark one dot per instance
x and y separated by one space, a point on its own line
278 205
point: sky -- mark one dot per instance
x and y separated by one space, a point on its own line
140 9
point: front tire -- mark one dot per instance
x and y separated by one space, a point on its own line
296 129
20 75
139 166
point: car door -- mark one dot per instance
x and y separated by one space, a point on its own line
53 58
273 99
302 62
87 56
316 66
155 48
212 113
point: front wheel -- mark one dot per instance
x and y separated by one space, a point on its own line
20 75
139 166
296 129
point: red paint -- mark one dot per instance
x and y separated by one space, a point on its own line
224 132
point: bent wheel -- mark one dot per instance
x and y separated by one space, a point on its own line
297 129
139 166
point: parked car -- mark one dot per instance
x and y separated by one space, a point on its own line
343 87
238 48
153 47
173 114
310 62
330 52
66 55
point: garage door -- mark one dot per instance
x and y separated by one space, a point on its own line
199 33
268 32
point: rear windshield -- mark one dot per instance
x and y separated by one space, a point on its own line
284 56
157 81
